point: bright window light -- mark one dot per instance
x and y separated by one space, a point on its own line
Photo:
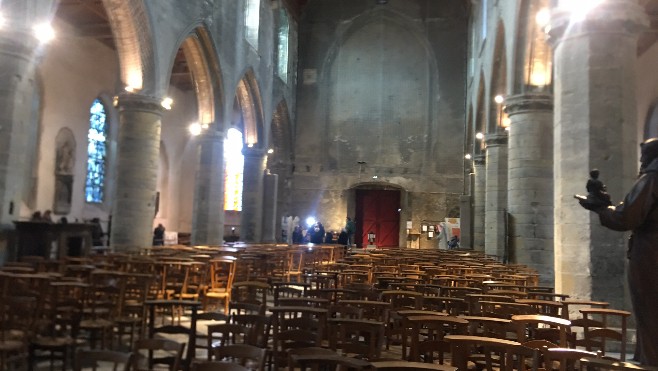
233 170
252 21
44 32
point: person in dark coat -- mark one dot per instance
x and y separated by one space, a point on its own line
639 214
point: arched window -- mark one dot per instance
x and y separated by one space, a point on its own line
233 170
252 21
96 153
284 28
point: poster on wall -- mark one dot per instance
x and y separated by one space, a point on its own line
452 227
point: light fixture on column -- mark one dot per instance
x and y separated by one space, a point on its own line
503 120
468 156
195 129
270 151
479 136
166 103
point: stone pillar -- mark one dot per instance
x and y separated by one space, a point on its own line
208 212
479 187
20 53
595 127
270 191
251 220
138 151
495 205
466 221
530 182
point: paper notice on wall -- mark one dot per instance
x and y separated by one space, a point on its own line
452 227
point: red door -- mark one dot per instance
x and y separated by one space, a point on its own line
377 212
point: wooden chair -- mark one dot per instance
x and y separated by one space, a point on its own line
491 352
246 355
224 334
251 292
410 366
535 326
363 338
222 274
427 333
602 364
218 366
324 359
565 359
601 329
95 359
295 327
169 353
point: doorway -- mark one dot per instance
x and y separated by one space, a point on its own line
377 211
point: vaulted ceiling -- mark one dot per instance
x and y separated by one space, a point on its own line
89 19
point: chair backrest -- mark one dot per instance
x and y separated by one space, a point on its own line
102 359
564 359
246 355
610 326
170 354
218 366
490 352
364 338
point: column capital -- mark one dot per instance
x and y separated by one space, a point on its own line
496 139
480 160
611 16
137 102
253 152
524 103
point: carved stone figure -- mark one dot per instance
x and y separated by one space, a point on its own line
597 195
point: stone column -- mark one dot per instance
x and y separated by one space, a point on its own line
138 151
251 221
17 58
479 188
270 191
496 196
208 212
595 127
530 182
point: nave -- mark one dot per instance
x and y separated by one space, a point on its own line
303 306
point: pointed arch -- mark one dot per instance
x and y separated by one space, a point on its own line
480 117
533 57
205 69
133 38
249 100
498 81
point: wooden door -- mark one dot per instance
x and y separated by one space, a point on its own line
377 211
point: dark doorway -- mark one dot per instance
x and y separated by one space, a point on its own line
377 212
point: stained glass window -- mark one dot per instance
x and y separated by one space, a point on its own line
233 170
252 21
96 153
284 28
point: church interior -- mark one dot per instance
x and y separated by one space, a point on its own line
237 129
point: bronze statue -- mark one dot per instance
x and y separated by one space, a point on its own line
639 213
597 195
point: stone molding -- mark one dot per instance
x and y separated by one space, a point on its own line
137 102
611 16
496 139
524 103
253 152
480 160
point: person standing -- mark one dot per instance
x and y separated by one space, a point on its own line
350 229
639 213
158 235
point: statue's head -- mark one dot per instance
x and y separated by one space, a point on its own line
649 151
